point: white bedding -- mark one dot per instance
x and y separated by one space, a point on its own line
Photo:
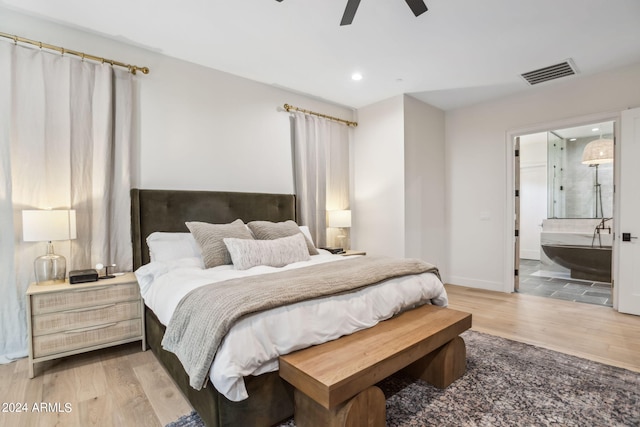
253 345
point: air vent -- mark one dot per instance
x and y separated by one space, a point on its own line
552 72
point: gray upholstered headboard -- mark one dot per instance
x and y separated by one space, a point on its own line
167 210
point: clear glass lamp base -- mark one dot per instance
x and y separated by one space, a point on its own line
342 240
50 269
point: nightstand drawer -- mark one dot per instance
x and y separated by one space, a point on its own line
83 317
65 319
84 297
86 337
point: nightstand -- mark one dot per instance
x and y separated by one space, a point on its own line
352 252
66 319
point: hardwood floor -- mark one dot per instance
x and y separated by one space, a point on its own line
122 386
118 386
590 331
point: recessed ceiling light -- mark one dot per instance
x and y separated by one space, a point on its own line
356 76
573 139
595 129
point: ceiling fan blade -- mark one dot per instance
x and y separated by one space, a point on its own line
349 12
417 6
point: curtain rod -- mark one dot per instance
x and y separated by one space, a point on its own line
346 122
132 68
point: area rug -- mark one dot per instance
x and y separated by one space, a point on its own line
508 383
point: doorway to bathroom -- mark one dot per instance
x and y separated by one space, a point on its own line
564 213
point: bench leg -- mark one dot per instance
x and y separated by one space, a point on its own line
442 366
366 409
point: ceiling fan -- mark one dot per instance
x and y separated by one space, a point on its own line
417 7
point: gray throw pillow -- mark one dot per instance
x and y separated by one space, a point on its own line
267 230
209 237
275 253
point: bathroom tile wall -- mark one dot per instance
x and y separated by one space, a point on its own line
579 181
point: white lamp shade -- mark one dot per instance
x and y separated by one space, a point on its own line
48 225
598 152
339 219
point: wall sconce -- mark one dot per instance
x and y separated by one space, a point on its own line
47 226
340 219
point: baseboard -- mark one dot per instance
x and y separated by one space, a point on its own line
476 283
530 254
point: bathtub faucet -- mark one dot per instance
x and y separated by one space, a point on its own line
597 231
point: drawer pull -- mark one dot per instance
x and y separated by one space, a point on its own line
91 289
91 328
80 310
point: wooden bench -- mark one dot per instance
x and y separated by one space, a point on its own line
334 381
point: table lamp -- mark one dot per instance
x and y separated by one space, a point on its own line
47 226
340 219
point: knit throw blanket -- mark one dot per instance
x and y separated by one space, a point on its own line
205 315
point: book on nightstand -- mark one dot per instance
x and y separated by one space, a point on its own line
83 276
335 251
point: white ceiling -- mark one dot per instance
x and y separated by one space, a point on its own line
594 130
458 53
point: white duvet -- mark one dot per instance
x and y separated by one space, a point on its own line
253 345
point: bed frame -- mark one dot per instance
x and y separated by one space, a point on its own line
270 398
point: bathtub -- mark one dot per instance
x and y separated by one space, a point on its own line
585 262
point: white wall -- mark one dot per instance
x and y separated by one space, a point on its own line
204 129
378 222
533 192
476 163
424 174
399 172
198 128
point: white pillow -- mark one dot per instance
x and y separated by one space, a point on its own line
274 253
268 230
307 233
209 238
164 246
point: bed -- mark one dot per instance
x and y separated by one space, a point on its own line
270 399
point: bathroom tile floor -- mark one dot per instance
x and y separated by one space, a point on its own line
534 280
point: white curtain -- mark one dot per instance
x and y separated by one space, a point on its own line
338 182
321 171
65 142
